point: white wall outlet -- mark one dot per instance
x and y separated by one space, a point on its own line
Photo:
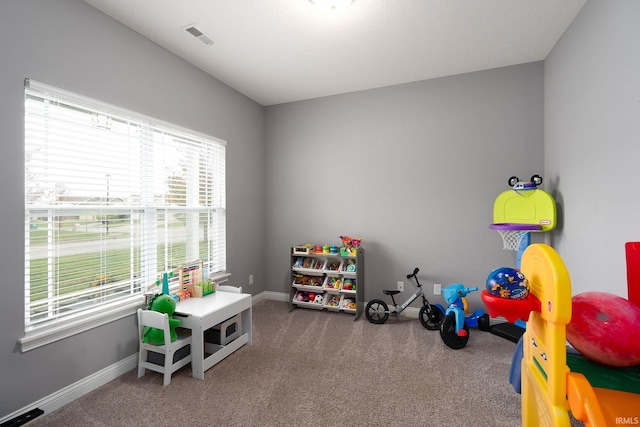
437 289
251 279
401 286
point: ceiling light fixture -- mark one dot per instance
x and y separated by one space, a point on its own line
332 6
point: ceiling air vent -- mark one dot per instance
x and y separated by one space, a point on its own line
198 34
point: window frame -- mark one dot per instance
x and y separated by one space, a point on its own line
52 330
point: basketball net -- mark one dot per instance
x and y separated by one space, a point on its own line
511 238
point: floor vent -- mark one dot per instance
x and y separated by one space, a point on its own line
23 419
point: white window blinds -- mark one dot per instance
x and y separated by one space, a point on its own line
112 199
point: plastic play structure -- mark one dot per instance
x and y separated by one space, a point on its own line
518 212
550 389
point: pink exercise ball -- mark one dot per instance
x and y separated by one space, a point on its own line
605 328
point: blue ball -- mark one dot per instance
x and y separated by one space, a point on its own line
506 282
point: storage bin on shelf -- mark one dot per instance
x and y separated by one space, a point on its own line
309 264
332 302
307 282
347 303
333 265
309 299
348 266
349 285
332 283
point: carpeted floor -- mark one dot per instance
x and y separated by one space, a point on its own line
318 368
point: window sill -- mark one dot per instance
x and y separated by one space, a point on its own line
60 330
63 329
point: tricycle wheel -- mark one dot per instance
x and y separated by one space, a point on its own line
377 311
430 316
449 335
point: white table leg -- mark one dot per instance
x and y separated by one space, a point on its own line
246 324
197 352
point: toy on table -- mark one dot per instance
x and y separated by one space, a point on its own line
454 329
191 281
161 303
164 281
203 288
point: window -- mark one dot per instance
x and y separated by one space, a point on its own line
112 200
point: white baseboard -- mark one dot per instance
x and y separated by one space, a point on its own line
276 296
80 388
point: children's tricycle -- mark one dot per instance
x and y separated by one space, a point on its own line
454 329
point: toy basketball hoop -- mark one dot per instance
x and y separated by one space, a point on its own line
512 234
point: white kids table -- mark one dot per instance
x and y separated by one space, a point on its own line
200 314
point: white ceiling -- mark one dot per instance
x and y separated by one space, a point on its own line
277 51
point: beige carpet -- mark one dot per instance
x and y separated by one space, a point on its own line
319 368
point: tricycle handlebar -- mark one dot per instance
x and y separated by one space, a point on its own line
463 292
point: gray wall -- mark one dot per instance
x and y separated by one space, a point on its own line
413 169
69 44
592 142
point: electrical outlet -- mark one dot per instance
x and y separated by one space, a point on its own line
251 279
401 286
437 289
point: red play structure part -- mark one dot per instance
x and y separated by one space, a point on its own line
510 309
633 271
